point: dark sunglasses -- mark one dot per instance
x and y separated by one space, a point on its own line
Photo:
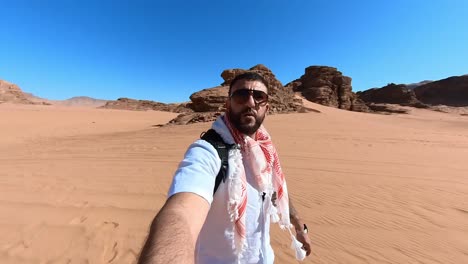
241 96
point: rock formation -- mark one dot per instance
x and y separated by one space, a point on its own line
209 100
208 104
189 118
141 105
452 91
387 98
328 86
12 93
282 99
391 94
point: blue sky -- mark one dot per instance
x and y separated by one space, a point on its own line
166 50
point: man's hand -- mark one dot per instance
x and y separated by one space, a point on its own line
301 236
305 240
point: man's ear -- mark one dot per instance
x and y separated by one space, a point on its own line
267 107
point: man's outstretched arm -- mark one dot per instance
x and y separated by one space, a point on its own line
299 226
174 230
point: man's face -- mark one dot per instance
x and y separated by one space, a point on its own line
247 110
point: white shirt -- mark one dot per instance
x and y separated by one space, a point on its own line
196 174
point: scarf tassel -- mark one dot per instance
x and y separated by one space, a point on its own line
297 246
273 212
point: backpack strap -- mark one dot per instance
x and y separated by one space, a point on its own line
223 152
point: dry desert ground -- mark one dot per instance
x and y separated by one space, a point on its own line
81 185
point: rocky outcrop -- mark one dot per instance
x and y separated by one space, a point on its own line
452 91
281 99
461 110
209 100
387 108
13 94
190 118
205 106
391 94
328 86
142 105
208 104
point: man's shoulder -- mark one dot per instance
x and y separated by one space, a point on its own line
201 149
197 171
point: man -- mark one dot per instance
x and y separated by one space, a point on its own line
232 225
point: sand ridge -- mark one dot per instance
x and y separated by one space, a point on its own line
372 188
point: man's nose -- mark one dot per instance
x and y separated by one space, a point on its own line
251 101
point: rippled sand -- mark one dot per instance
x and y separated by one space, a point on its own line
80 185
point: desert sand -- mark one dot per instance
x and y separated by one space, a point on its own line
81 185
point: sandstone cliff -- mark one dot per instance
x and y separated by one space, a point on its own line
328 86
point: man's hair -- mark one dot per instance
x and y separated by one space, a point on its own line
249 76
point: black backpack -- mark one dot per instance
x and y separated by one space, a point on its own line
223 152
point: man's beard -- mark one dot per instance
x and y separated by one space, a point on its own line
245 128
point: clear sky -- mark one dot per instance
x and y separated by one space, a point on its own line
166 50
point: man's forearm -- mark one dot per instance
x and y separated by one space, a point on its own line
299 226
294 217
169 240
174 231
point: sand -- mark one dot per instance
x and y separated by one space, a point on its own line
81 185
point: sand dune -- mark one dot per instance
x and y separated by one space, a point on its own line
82 185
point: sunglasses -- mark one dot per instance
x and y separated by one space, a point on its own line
242 96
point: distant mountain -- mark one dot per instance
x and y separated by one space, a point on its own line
414 85
81 101
12 93
452 91
390 94
143 105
